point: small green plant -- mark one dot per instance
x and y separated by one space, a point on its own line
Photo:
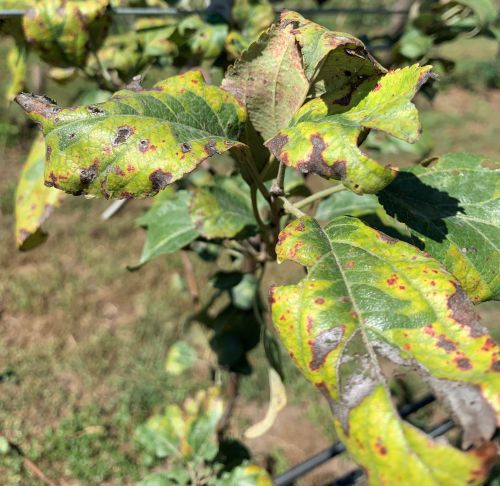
229 169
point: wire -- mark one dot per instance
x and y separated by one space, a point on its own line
155 11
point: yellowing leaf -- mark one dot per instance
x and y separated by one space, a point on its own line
16 63
34 201
368 296
277 403
322 140
139 141
65 31
394 452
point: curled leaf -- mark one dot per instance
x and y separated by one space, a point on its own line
64 31
277 403
34 201
140 140
322 140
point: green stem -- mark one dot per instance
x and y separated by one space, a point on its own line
319 195
290 208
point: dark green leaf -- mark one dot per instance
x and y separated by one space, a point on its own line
452 206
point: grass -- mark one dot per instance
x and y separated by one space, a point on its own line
83 341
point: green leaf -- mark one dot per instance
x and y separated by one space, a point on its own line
180 357
16 64
140 140
346 203
168 478
169 227
64 31
243 294
414 44
367 296
204 39
203 415
245 475
269 80
34 201
161 435
224 209
322 141
452 206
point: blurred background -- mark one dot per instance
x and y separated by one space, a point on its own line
83 341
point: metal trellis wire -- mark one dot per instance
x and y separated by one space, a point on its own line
290 476
164 11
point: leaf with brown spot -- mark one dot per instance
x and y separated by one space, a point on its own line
367 297
322 140
34 201
140 140
269 80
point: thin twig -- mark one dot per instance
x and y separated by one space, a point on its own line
191 280
278 187
319 195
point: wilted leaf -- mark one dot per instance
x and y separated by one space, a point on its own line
34 201
453 207
139 141
324 141
180 357
245 475
64 31
269 80
334 62
16 64
277 403
224 209
367 295
169 227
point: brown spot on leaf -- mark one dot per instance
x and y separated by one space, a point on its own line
94 109
88 175
185 147
276 144
385 238
463 363
122 134
48 153
300 226
210 148
495 366
445 343
349 264
118 171
463 313
323 344
145 146
379 447
392 279
319 301
160 179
